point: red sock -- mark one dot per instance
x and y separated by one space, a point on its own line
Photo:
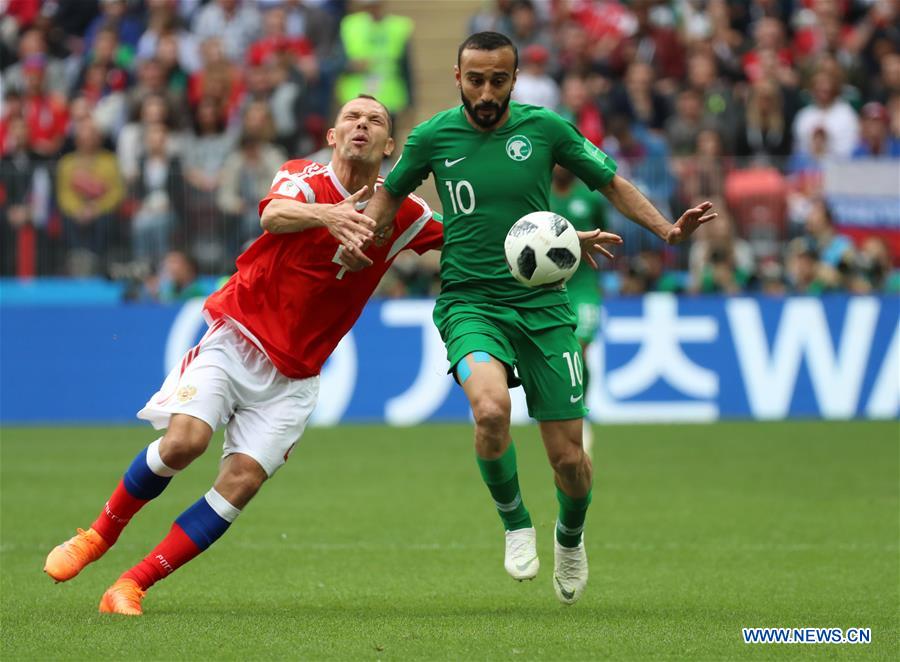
174 551
120 508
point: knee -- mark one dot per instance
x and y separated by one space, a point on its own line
240 480
491 415
569 461
181 445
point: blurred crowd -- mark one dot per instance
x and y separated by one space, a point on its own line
738 102
132 130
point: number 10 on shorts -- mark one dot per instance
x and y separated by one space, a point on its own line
575 367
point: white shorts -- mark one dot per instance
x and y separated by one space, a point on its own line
227 380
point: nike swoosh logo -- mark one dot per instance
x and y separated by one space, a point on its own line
568 595
524 566
449 164
573 399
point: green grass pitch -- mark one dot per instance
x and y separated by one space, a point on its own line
375 543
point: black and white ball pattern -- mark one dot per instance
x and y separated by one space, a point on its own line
542 250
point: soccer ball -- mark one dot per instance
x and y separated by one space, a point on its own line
542 250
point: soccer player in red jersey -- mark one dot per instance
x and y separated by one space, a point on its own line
256 371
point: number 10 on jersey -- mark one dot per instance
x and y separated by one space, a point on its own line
462 196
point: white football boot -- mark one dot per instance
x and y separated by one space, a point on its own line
521 561
587 438
570 572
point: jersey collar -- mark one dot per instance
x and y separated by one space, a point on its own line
340 187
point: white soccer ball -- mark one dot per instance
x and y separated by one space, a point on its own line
542 250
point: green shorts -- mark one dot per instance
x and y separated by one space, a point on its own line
586 305
539 343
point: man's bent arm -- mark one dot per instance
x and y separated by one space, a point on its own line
383 207
345 224
635 206
281 216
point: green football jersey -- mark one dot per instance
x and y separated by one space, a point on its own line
487 180
586 210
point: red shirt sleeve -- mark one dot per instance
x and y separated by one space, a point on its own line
430 238
287 184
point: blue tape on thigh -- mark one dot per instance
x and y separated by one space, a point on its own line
463 371
481 357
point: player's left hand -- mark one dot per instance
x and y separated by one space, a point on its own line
690 220
593 242
354 262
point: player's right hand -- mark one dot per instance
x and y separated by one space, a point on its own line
351 228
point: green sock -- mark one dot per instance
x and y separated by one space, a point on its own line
502 479
570 523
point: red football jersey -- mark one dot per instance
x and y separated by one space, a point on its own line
291 295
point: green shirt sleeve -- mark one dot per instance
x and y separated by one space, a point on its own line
576 153
412 167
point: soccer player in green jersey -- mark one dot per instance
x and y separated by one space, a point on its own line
491 160
586 211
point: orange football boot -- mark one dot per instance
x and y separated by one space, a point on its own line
68 559
124 597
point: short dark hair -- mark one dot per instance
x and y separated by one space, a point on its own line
390 117
487 41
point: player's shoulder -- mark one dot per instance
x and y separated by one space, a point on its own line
439 120
300 168
542 114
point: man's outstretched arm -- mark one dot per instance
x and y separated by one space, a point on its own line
349 227
636 207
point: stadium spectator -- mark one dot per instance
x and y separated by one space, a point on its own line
832 248
806 176
525 27
45 112
656 46
218 78
10 111
803 268
159 195
719 260
577 107
875 267
276 41
764 131
89 191
32 47
574 55
115 14
875 139
25 198
162 20
247 175
638 100
378 58
533 84
236 22
887 84
130 141
685 125
644 273
151 80
178 278
204 155
703 175
829 112
720 107
167 54
769 42
493 17
103 80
